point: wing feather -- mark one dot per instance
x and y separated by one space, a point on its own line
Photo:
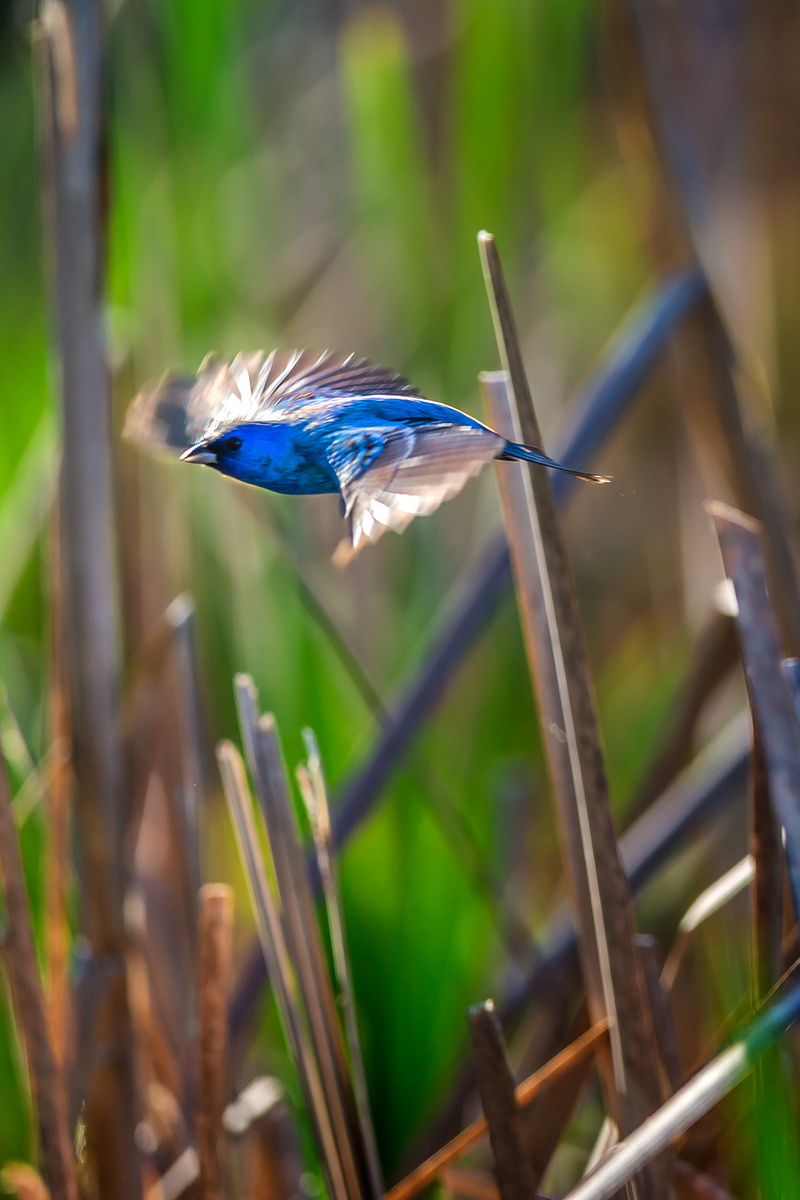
180 411
416 470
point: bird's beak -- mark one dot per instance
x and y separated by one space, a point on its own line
200 453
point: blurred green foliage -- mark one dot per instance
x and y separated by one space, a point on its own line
294 174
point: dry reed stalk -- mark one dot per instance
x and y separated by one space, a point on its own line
70 49
30 1013
215 932
740 540
559 668
512 1166
423 1175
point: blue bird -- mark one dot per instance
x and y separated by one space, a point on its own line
300 423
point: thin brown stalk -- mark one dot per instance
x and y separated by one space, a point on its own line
512 1166
215 930
585 1047
559 668
73 127
740 540
273 944
311 780
27 998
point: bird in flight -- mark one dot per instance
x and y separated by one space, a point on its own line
303 423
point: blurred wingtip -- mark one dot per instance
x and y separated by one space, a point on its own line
157 417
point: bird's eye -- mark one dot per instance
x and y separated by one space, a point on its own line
233 443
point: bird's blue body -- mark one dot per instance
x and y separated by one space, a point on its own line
303 424
293 452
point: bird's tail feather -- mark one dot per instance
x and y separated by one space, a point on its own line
515 450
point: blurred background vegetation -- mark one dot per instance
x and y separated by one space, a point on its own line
314 174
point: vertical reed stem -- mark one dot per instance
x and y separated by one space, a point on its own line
71 47
215 927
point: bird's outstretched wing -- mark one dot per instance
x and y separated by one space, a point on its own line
392 474
179 411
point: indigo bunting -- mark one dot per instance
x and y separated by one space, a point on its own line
300 423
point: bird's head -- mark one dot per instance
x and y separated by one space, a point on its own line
222 452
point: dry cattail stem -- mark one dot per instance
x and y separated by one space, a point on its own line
213 985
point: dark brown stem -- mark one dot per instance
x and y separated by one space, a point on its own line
215 925
496 1087
740 541
71 51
